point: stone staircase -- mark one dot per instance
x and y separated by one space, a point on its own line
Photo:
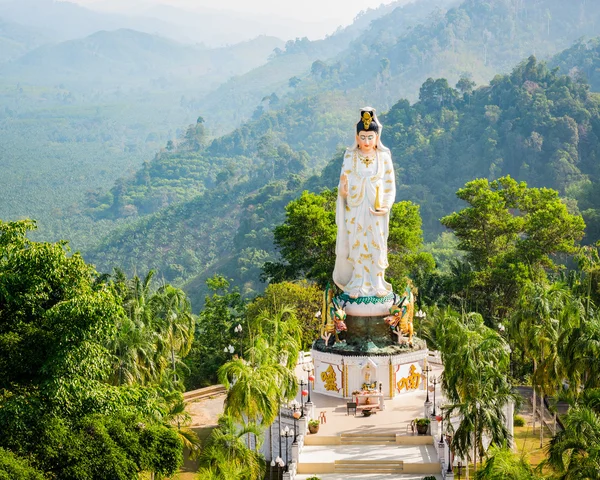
357 467
368 439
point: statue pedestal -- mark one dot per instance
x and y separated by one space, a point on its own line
368 356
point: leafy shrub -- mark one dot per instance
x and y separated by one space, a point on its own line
518 421
13 467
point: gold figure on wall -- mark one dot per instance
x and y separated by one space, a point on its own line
412 381
330 380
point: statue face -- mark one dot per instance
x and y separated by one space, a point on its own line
366 141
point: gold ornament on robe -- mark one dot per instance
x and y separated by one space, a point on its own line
377 201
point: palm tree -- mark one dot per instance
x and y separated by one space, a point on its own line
544 322
174 321
226 456
476 362
178 418
574 453
503 464
255 389
283 331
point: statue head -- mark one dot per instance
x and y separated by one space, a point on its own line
368 131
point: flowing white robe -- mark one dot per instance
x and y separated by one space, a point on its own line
361 244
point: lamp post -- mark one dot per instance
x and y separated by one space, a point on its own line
272 466
459 467
308 368
441 425
238 330
421 315
280 465
287 433
427 369
434 385
296 416
303 393
450 456
229 349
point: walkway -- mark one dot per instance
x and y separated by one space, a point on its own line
368 444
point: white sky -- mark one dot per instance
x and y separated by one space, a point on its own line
331 12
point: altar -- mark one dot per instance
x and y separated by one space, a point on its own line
369 399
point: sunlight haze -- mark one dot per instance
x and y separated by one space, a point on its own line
321 17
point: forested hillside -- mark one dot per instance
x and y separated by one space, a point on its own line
534 124
77 115
388 61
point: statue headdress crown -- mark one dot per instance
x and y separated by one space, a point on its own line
368 121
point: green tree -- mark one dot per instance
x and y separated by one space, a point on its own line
13 467
305 298
509 233
58 407
574 453
476 366
223 311
226 455
306 240
175 323
503 464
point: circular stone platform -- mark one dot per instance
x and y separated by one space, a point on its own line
339 375
368 356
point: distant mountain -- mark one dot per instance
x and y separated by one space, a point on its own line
383 64
66 21
16 40
240 97
127 57
210 26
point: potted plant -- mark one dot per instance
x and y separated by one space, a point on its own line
314 477
313 426
422 425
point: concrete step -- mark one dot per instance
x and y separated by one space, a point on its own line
369 476
369 466
206 392
367 439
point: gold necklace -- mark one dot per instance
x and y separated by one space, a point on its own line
366 161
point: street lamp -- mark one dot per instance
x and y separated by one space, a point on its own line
303 393
459 467
296 416
287 433
427 369
421 315
238 330
280 464
442 425
308 368
435 382
229 349
450 455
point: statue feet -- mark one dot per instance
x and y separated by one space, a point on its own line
353 294
381 293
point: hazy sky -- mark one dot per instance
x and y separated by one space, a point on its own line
331 12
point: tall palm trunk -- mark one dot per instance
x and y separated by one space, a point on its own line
534 398
541 419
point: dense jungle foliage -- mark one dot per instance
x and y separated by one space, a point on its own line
534 124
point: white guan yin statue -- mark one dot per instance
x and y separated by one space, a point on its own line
366 193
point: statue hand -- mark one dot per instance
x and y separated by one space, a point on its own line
343 185
382 211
